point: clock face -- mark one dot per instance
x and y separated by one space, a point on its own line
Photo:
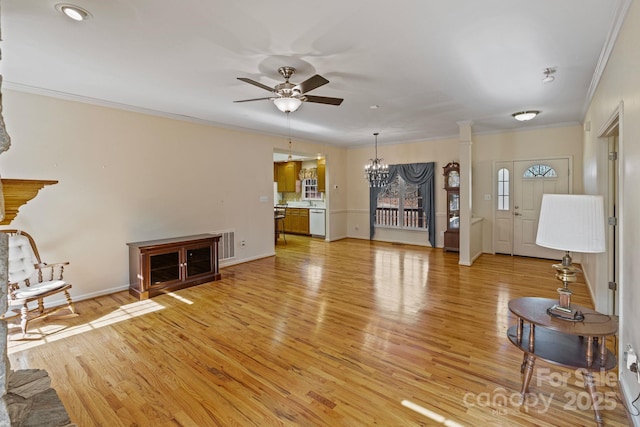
454 179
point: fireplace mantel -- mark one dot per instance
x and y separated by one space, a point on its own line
17 192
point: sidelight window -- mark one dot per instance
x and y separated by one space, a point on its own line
503 189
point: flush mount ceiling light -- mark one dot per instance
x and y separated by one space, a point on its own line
548 77
287 104
74 12
523 116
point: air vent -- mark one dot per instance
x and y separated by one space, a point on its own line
227 245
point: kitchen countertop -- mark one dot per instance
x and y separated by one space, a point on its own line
306 205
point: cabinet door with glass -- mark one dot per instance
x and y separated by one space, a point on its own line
452 187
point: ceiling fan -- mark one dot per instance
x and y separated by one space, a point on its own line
289 96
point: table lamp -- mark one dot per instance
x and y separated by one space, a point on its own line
570 223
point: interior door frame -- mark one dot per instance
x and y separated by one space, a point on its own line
612 128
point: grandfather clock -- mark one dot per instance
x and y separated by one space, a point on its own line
452 187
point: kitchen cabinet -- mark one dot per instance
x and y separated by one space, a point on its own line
160 266
321 175
287 175
297 221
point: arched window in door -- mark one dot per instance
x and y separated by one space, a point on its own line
503 189
540 171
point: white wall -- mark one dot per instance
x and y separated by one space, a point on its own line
126 177
621 82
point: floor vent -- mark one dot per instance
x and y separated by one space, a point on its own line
227 245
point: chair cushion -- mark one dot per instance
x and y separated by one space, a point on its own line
38 289
22 260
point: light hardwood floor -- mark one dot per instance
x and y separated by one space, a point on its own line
348 333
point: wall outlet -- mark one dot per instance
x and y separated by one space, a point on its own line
632 359
243 244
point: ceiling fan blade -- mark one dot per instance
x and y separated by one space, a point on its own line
254 99
255 83
311 83
323 100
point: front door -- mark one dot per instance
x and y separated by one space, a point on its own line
532 179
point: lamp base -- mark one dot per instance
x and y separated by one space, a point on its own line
565 313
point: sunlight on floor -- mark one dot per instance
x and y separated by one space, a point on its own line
179 298
430 414
46 331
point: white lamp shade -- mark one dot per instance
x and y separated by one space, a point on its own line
286 104
572 222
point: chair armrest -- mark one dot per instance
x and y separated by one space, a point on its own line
59 265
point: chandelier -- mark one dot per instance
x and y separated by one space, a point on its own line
376 172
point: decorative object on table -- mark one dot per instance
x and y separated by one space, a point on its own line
287 96
570 223
376 172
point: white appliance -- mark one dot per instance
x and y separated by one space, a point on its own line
316 222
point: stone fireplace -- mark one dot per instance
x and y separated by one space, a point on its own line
26 396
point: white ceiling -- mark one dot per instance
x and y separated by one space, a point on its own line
427 64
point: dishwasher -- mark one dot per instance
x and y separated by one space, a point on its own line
316 222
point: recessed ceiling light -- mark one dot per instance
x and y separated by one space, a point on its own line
523 116
74 12
374 107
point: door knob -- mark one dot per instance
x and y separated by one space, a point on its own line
517 213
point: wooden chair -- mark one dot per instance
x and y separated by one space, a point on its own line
280 213
31 280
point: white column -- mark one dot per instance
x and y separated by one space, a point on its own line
464 147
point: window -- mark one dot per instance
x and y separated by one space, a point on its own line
540 171
400 205
503 189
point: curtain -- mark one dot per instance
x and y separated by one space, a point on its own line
421 174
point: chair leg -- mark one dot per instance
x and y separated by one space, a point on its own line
284 236
24 320
72 308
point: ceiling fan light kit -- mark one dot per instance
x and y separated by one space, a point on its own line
287 104
288 96
524 116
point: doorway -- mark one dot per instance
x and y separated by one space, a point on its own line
300 184
611 134
520 186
